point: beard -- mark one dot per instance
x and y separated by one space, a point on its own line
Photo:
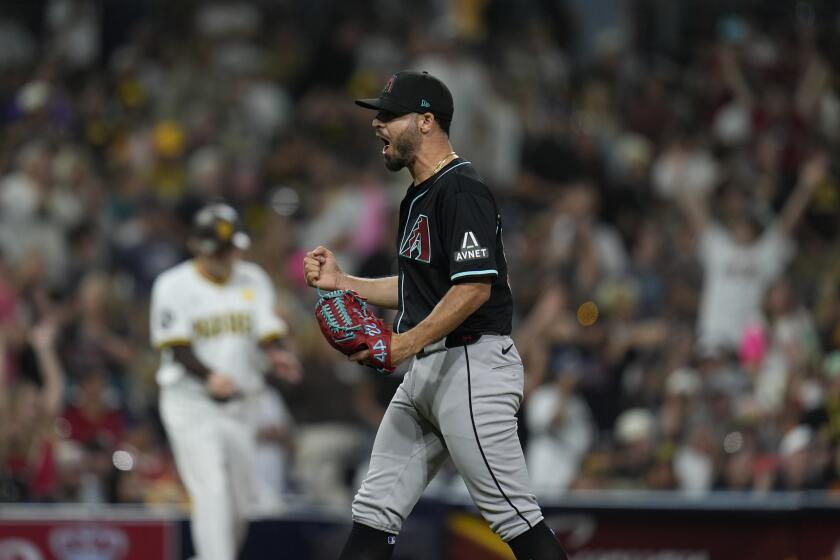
404 149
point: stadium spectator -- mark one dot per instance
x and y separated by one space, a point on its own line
741 259
28 435
561 429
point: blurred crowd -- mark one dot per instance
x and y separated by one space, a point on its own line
668 178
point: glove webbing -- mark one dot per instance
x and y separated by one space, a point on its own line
327 312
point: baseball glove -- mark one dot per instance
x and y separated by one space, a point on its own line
349 328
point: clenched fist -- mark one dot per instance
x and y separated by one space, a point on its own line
321 269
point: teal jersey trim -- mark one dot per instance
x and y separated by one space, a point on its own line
475 273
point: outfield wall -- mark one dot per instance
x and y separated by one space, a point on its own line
617 526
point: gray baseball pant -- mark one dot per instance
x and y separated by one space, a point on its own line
459 403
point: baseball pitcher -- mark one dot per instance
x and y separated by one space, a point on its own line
460 396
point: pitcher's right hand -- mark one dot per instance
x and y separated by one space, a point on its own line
321 269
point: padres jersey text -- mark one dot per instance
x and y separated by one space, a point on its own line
223 322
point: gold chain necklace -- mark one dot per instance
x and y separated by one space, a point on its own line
439 165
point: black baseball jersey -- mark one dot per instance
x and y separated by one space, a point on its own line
450 232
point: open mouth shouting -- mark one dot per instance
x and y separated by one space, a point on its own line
387 144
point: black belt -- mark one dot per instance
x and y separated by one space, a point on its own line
454 340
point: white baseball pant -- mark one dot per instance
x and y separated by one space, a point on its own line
214 448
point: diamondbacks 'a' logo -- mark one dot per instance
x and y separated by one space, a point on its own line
389 85
417 245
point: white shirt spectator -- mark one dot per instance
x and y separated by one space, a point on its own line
556 449
693 470
793 338
74 31
735 279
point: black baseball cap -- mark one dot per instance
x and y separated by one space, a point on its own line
413 92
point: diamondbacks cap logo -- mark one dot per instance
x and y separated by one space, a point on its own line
470 249
417 245
389 85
